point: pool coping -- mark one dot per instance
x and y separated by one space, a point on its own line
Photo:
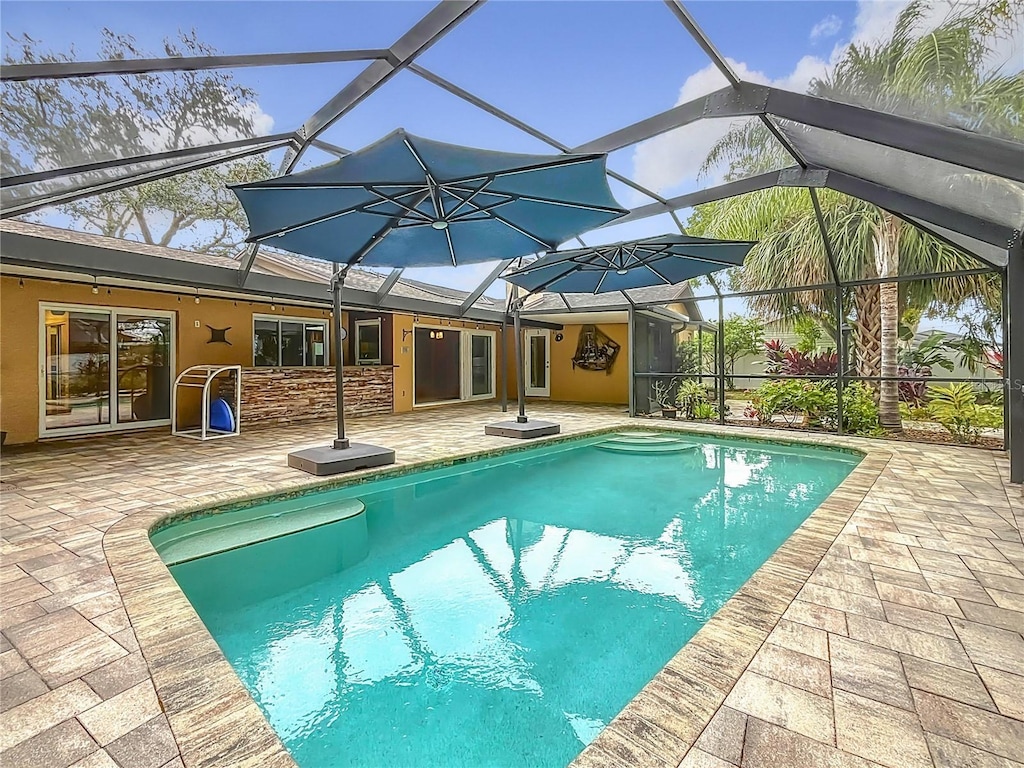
216 721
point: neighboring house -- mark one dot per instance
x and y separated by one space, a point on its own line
94 330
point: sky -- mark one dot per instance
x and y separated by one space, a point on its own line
576 70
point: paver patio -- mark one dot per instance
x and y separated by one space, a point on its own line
887 631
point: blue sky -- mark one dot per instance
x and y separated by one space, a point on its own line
576 70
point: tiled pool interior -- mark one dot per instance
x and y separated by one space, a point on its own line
499 612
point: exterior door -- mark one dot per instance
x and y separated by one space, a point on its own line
103 369
538 362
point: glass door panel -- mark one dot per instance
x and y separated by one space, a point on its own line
481 366
537 362
316 347
143 368
437 371
76 369
292 339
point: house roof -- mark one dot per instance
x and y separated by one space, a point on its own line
268 262
553 303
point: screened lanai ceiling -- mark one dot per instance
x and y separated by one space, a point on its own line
502 75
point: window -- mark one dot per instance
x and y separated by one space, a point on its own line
368 342
289 341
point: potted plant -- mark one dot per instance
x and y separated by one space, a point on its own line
665 396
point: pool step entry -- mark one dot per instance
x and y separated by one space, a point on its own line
646 442
220 533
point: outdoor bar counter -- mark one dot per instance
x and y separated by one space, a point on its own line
279 395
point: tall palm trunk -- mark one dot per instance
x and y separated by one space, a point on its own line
868 330
886 243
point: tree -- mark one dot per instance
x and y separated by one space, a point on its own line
741 336
58 123
939 72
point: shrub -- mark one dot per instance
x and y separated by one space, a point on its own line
793 362
956 408
691 395
914 413
860 413
775 398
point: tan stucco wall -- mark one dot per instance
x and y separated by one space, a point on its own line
581 386
19 336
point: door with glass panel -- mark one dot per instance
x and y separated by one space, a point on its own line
104 369
478 365
537 342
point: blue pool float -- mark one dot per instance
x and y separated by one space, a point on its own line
221 417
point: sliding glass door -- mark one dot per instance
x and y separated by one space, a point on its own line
103 368
450 365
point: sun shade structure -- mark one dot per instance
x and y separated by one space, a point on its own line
941 169
653 261
664 260
406 201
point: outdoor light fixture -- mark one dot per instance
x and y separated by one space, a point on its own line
406 332
621 271
95 289
439 224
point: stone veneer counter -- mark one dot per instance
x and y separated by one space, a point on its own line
280 395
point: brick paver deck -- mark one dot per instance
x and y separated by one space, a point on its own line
886 631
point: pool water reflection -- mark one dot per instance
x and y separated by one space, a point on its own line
500 612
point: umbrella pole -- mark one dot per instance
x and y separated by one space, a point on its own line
520 374
339 359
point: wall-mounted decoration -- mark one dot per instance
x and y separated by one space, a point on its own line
219 335
595 351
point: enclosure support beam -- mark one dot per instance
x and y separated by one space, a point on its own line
486 283
58 70
631 355
1014 362
721 358
834 269
246 261
388 284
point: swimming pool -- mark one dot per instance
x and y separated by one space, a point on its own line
497 612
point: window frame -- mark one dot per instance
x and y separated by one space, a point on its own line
359 324
323 322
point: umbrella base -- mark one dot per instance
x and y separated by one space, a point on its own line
334 461
523 430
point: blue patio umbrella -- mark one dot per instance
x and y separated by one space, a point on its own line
662 260
407 201
653 261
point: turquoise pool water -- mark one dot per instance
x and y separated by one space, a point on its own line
498 612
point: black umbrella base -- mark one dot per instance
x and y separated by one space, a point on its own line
525 430
334 461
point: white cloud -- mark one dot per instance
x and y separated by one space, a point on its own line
198 136
827 27
669 163
673 159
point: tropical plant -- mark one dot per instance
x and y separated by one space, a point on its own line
666 393
808 332
690 395
793 362
776 398
58 123
938 72
860 412
742 336
956 408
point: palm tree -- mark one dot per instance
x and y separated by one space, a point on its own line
939 75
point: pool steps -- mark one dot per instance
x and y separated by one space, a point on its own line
645 442
209 536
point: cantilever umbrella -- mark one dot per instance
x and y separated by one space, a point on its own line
406 201
653 261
